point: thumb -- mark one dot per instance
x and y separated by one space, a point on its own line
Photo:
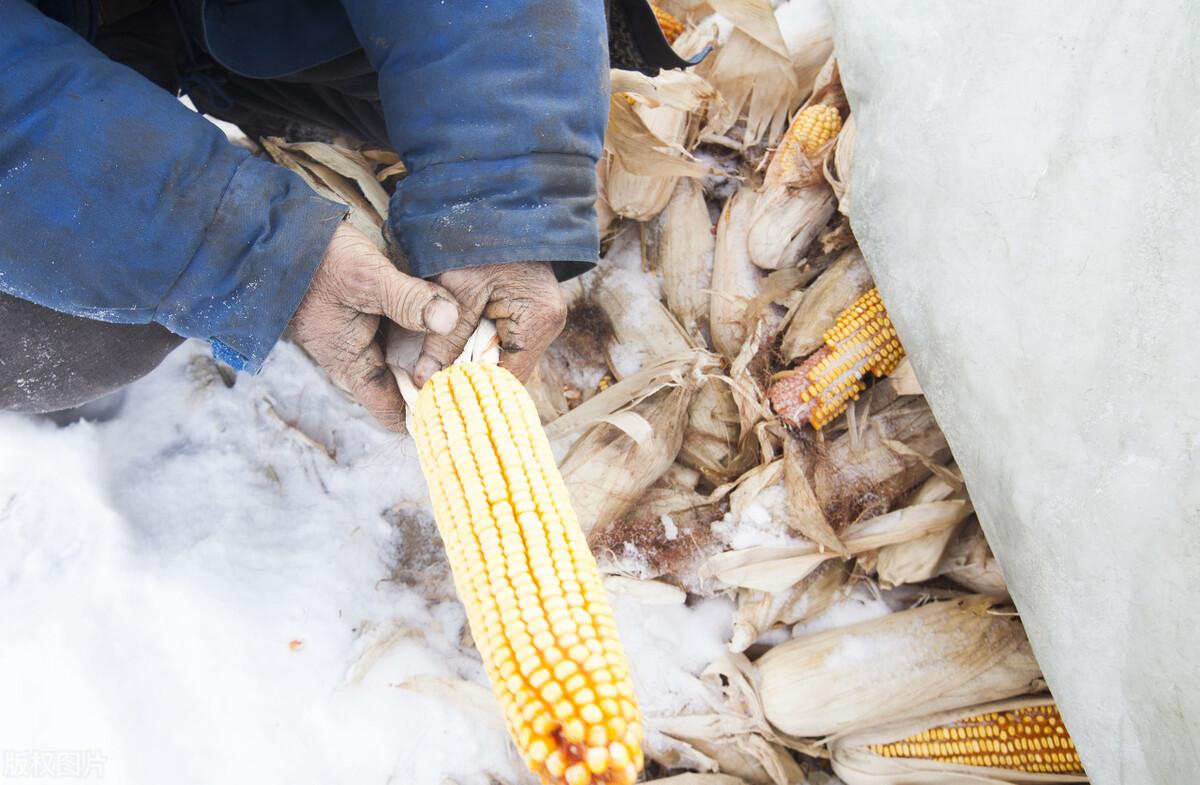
415 304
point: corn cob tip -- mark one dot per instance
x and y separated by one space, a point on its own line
535 603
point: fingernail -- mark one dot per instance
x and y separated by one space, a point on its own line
426 367
441 316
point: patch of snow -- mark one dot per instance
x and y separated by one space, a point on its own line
212 584
857 605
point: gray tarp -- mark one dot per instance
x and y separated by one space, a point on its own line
1026 190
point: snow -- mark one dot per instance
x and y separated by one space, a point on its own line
857 605
226 583
763 522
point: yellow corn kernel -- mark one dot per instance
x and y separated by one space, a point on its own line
1031 739
671 26
533 595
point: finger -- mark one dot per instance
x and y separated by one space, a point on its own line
438 351
373 385
527 327
415 304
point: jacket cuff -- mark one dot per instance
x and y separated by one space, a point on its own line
253 266
535 208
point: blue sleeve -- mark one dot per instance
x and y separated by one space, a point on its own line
118 203
498 109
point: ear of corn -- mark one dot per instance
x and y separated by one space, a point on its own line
1014 742
811 128
1031 739
671 26
862 341
534 600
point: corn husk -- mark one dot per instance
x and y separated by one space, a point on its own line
918 560
340 174
711 442
969 562
937 657
806 515
736 282
837 167
786 223
834 291
666 535
631 433
773 568
683 252
759 612
643 330
652 122
726 743
766 67
873 465
856 764
699 779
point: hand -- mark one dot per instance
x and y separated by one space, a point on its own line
523 299
339 318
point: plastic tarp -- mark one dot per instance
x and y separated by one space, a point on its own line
1026 191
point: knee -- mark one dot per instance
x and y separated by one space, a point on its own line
51 361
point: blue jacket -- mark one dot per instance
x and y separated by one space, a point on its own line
118 203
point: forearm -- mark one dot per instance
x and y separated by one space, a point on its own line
498 110
119 204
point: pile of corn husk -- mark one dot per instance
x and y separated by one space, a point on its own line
722 268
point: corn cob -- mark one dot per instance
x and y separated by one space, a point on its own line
671 26
862 341
811 128
1031 739
534 600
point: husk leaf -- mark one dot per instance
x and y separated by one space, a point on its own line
834 291
683 253
940 656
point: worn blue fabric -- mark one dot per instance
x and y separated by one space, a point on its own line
117 203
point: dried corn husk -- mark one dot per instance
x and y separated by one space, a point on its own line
650 126
726 743
643 330
634 431
710 444
872 466
736 282
773 568
806 515
834 291
760 612
856 764
683 253
940 656
340 174
969 562
837 166
667 534
699 779
615 461
918 560
766 67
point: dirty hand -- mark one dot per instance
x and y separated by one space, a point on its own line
521 297
339 318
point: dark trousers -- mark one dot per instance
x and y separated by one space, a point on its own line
51 361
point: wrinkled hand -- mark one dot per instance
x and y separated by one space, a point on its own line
521 297
339 318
